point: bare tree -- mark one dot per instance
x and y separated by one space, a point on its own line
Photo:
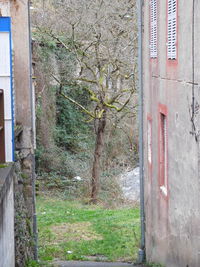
102 37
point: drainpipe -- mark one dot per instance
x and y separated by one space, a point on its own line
35 233
141 253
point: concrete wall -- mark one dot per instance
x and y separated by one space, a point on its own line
7 246
172 224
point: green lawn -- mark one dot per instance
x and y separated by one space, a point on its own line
69 230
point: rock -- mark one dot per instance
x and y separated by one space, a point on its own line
130 185
77 178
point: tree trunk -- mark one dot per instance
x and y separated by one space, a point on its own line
95 183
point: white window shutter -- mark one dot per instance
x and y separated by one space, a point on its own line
172 17
153 38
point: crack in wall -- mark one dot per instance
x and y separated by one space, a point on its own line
175 80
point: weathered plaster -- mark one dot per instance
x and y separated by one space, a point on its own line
22 72
5 8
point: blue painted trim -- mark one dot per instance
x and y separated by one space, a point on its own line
12 104
5 24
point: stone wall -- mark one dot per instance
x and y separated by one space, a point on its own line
24 199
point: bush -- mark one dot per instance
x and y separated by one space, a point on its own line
71 128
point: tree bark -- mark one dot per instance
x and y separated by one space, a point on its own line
100 134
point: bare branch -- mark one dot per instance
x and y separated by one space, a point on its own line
72 100
79 105
84 79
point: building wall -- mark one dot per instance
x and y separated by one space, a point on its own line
24 134
172 223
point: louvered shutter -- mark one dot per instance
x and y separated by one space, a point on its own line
172 16
153 41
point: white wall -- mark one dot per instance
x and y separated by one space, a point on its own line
5 84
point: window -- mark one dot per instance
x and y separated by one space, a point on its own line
2 138
149 146
6 86
172 29
153 28
163 179
149 141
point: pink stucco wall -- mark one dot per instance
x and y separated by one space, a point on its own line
172 227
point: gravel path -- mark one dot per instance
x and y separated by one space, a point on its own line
92 264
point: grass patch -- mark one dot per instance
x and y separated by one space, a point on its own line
3 166
70 230
32 263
